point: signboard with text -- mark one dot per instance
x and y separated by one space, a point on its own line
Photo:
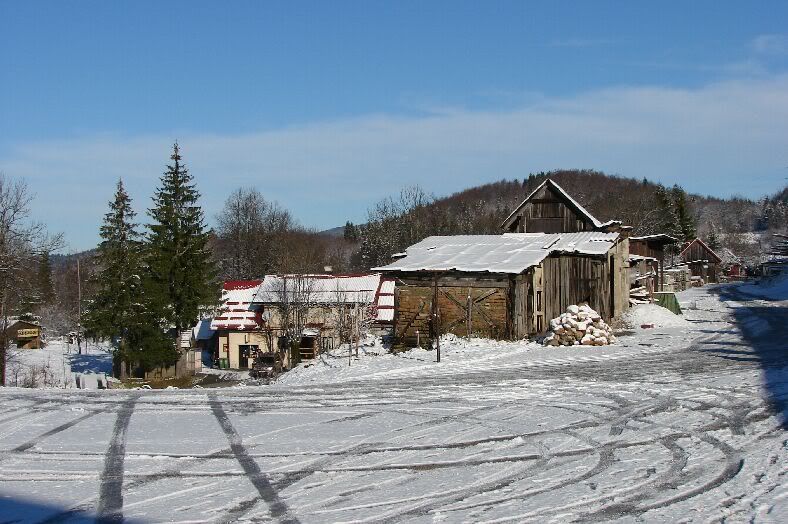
28 333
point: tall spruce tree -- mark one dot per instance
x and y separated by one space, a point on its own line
120 309
182 274
45 284
118 282
684 220
713 240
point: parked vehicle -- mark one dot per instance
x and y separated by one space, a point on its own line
266 365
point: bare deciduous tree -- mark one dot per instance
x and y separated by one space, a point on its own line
21 241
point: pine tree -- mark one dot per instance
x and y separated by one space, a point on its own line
118 282
713 240
684 219
45 284
120 308
668 221
182 275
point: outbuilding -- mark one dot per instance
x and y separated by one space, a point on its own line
25 334
554 253
703 262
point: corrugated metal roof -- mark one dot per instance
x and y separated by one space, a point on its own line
320 289
508 253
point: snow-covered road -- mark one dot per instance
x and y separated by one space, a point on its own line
675 424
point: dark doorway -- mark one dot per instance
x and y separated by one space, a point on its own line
246 355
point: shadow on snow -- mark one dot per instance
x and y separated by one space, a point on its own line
764 329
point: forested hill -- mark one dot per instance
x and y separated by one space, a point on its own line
398 222
611 197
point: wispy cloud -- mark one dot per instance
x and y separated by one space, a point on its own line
722 138
776 44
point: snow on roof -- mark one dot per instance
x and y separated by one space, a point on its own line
320 289
574 203
203 331
633 258
507 253
238 311
660 236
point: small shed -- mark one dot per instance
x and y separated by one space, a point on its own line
505 286
653 246
25 334
703 262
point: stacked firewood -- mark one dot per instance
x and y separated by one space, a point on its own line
580 325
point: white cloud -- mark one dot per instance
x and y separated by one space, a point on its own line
771 44
723 138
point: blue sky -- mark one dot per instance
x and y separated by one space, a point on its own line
327 107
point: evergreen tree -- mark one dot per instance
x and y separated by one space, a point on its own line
120 308
351 232
668 222
684 220
45 284
118 282
713 240
182 275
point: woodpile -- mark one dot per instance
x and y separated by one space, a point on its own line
579 325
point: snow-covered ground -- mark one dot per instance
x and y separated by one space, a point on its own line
673 424
60 365
775 288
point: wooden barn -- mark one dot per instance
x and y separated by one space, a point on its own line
550 209
505 286
702 260
652 246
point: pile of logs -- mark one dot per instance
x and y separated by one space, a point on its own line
580 325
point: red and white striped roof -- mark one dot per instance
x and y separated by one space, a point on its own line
244 300
238 311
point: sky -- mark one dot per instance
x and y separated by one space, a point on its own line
328 107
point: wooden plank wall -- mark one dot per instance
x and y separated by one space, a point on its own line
490 313
574 279
547 213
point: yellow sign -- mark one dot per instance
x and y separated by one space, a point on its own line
27 333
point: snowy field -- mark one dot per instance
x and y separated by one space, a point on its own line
60 365
684 423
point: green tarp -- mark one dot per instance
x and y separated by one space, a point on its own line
668 300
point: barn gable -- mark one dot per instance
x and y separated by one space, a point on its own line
549 209
699 251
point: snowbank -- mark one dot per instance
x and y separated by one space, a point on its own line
775 288
374 360
652 314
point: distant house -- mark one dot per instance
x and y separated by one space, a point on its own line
550 209
703 262
251 318
238 328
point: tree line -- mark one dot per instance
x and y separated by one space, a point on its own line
151 286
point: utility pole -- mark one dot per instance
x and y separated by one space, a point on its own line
79 309
436 326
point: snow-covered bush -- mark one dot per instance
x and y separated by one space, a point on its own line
579 325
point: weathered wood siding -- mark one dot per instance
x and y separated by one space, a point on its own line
548 213
490 311
601 282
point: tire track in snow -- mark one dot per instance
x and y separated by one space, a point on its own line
277 507
110 504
